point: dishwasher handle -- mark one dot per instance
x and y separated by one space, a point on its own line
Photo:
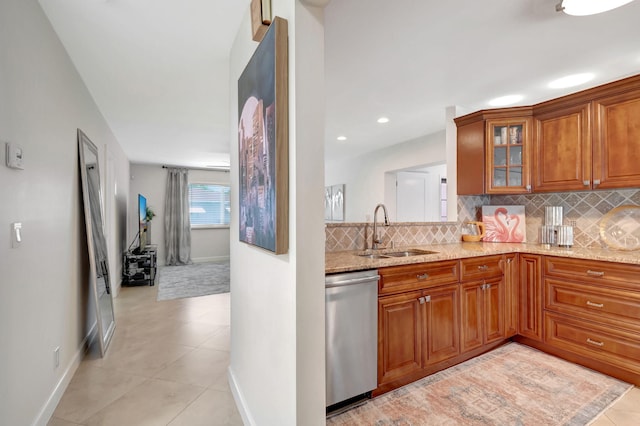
353 281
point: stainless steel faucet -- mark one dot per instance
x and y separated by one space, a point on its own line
374 238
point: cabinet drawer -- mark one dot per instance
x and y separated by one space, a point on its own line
613 346
395 279
593 271
480 267
606 305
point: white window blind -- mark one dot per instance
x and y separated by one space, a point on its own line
209 204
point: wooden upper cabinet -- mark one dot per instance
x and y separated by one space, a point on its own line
493 151
507 156
585 140
616 141
562 148
470 158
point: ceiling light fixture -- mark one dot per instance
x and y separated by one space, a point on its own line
588 7
571 80
342 138
505 100
383 120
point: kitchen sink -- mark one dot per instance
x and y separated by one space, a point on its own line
403 253
407 253
374 256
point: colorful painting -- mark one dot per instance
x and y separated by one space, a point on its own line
263 143
504 224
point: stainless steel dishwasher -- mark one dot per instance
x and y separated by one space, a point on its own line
351 334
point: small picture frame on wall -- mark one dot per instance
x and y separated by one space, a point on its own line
263 143
334 203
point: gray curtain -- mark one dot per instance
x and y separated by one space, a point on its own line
177 225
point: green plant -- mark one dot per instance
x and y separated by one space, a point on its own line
150 214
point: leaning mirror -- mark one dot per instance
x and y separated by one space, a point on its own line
99 281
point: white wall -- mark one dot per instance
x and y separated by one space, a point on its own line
364 176
277 302
44 299
150 180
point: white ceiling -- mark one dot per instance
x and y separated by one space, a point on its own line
158 69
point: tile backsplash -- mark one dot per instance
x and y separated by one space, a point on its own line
357 236
583 209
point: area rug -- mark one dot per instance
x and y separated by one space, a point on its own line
512 385
198 279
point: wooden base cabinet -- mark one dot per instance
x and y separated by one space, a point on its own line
530 297
399 336
592 314
440 324
482 309
483 301
416 329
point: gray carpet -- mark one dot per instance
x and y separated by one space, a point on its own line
198 279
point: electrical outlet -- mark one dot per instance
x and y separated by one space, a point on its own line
56 357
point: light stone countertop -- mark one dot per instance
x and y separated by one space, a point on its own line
348 261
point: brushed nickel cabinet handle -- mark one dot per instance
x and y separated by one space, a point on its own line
427 299
586 182
595 273
595 305
421 300
483 267
422 276
593 342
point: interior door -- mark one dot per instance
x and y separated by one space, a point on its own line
411 196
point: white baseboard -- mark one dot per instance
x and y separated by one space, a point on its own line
238 397
210 259
54 399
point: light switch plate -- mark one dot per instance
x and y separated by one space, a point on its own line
16 234
14 156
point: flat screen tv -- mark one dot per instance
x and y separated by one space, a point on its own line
142 221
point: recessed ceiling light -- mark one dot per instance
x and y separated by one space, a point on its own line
571 80
383 120
506 100
342 138
589 7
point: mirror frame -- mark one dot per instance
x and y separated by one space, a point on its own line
97 268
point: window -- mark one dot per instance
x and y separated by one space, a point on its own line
209 205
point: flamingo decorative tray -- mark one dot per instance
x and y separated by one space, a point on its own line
504 224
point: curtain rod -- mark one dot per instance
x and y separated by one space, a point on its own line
211 169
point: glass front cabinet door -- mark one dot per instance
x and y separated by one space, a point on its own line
507 159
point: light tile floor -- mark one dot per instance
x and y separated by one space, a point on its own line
166 365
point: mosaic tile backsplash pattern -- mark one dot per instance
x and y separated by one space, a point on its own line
583 210
357 236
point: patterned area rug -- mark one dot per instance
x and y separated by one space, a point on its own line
512 385
198 279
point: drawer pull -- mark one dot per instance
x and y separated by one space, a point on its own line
595 273
421 300
483 267
422 276
594 342
595 305
427 299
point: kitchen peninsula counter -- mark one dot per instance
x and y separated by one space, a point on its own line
347 261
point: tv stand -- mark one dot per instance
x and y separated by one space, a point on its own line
140 266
